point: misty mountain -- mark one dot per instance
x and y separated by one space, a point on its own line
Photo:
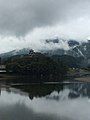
57 51
77 50
73 43
23 51
61 46
56 40
80 51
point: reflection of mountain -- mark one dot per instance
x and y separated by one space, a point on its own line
55 106
56 91
51 91
79 90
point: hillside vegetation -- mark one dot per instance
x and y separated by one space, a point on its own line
37 66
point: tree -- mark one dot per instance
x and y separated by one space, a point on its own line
38 66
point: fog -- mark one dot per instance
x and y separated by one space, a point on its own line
28 23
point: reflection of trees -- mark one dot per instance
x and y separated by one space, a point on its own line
39 67
8 89
40 90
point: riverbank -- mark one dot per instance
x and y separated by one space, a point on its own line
11 78
79 75
14 78
83 79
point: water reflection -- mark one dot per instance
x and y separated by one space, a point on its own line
40 90
45 102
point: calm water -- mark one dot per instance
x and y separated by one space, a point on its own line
45 102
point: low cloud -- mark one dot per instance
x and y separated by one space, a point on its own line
20 17
28 23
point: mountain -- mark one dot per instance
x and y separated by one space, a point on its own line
76 49
62 46
56 40
59 51
80 51
73 43
23 51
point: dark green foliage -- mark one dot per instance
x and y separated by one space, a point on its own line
37 65
68 60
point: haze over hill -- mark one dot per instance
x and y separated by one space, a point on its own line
71 48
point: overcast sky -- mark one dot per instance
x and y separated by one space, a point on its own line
26 23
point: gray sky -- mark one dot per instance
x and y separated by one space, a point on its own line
25 23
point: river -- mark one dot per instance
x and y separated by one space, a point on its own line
45 102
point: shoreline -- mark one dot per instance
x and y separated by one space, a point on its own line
83 79
10 78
